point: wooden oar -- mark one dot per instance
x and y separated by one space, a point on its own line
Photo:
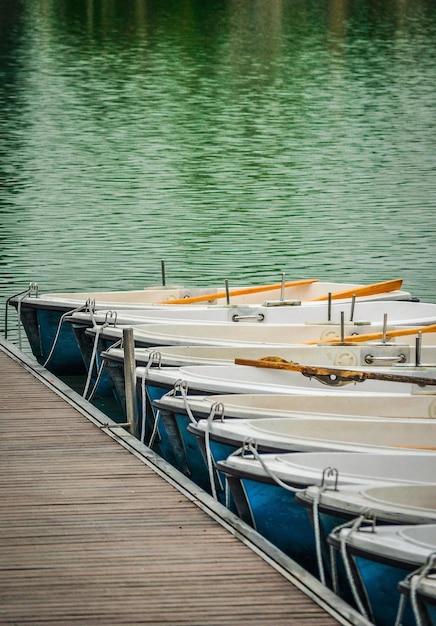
398 332
365 290
239 292
333 375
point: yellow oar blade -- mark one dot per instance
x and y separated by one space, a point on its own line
365 290
399 332
239 292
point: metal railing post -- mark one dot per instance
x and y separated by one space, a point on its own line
130 380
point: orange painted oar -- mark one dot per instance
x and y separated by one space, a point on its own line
239 292
365 290
415 447
398 332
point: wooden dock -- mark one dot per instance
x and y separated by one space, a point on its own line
96 529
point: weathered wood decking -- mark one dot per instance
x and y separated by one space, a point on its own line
95 529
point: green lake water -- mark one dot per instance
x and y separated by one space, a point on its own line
234 139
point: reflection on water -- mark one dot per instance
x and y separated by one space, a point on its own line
234 139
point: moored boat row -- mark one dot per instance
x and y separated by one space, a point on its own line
52 342
310 414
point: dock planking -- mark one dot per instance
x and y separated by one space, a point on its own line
96 529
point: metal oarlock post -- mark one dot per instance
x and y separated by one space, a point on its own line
162 265
385 327
353 304
418 344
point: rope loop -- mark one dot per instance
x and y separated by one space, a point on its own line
154 433
185 396
216 409
97 380
98 330
180 388
414 578
354 525
58 330
117 344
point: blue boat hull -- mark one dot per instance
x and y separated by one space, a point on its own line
275 514
41 325
380 581
179 446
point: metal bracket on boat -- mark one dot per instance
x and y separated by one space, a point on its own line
259 317
332 379
400 358
90 305
332 473
32 288
216 412
272 303
155 357
367 522
110 319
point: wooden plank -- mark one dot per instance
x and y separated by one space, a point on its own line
91 534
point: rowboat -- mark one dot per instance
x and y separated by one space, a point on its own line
219 438
214 335
389 504
271 336
218 325
92 342
180 409
329 404
362 313
230 379
324 354
53 343
93 345
206 326
323 434
263 489
352 355
379 558
153 383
